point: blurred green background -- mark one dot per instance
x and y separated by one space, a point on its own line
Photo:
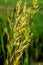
13 2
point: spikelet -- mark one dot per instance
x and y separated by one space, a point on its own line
35 4
35 8
24 7
19 8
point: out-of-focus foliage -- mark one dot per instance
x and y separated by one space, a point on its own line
15 33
